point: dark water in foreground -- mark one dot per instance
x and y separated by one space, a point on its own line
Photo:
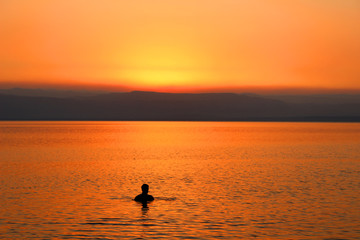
213 180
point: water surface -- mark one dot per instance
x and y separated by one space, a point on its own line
211 180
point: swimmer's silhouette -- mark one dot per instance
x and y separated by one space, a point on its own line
144 197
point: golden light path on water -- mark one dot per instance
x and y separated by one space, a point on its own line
210 180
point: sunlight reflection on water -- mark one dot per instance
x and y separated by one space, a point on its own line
211 180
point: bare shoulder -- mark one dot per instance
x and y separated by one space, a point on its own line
138 198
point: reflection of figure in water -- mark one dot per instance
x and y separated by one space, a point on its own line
144 197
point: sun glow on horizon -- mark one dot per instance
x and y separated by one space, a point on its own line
159 77
163 59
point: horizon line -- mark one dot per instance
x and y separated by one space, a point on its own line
266 90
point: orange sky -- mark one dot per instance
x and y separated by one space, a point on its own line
180 45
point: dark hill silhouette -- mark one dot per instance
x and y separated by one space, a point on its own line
171 107
49 92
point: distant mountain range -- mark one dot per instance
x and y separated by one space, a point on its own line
49 92
28 104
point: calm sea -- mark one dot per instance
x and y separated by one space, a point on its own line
210 180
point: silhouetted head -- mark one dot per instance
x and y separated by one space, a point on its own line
145 188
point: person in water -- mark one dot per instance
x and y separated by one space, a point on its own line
144 196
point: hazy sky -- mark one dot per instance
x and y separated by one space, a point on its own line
180 45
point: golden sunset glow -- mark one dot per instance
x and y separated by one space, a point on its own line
158 65
192 45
